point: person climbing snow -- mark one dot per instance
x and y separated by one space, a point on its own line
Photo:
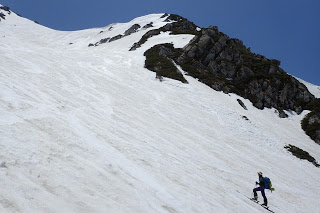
260 188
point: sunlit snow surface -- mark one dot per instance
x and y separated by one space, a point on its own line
89 129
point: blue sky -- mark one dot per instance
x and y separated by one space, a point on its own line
287 30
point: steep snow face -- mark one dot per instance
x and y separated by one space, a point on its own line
88 129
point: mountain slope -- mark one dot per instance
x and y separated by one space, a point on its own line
88 129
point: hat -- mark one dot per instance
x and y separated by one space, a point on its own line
259 173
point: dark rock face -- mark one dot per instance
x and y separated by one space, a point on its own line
148 25
164 15
180 26
242 104
105 40
282 114
227 65
300 153
102 41
5 8
158 59
144 38
3 16
132 29
115 38
311 125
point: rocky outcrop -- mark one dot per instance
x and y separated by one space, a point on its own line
311 122
132 29
242 104
282 114
115 38
158 60
2 16
105 40
5 8
102 41
148 25
179 26
301 154
227 65
144 38
164 15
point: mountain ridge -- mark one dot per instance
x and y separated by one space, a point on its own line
89 129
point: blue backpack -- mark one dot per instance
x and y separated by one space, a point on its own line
268 184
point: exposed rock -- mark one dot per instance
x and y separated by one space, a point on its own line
164 15
275 62
158 60
228 65
3 16
115 38
174 17
144 38
132 29
225 69
181 26
311 125
245 118
282 114
217 85
5 8
104 40
148 25
242 104
135 46
300 153
231 67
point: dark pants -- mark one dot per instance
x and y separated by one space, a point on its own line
262 192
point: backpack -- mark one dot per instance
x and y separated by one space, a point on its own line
268 184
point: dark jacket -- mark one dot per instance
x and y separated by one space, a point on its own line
261 181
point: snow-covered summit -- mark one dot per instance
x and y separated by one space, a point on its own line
89 129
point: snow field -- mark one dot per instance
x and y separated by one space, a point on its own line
90 130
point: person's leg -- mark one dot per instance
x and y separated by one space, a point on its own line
255 192
264 197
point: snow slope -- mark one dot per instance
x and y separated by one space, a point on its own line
90 130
